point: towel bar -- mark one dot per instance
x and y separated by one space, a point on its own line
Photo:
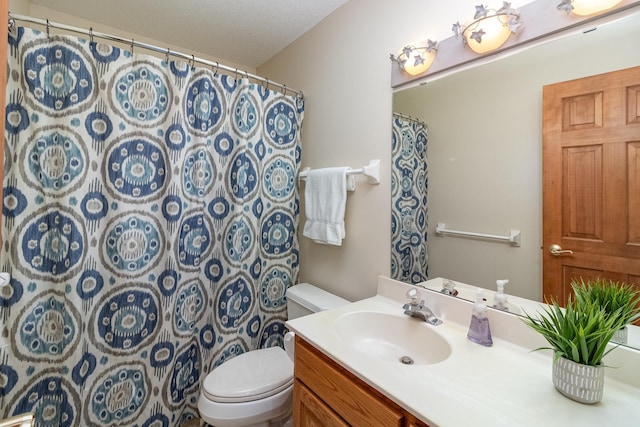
371 171
513 238
22 420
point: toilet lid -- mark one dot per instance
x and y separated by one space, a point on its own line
250 376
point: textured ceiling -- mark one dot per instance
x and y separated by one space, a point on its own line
247 32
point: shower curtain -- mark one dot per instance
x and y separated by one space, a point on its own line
409 259
150 211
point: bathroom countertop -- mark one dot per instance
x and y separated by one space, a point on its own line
502 385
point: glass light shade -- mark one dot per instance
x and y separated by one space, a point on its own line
589 7
414 65
496 32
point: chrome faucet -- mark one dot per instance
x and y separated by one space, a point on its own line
416 308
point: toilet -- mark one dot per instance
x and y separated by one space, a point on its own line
255 389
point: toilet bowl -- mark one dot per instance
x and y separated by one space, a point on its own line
255 389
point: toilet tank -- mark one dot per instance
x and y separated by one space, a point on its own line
304 299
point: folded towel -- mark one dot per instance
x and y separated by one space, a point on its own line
325 200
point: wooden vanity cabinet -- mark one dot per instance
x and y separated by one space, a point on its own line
325 394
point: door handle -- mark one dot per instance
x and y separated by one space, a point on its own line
556 250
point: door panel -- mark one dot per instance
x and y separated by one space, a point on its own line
582 112
591 180
634 192
633 104
582 195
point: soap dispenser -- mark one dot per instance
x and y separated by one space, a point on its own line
500 299
479 331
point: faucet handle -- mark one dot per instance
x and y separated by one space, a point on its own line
414 296
449 287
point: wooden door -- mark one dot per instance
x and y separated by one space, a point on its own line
591 180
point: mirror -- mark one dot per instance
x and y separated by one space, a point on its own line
484 153
514 304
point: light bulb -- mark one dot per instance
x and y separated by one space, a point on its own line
487 34
417 57
589 7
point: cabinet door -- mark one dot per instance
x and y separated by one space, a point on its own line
310 411
354 401
411 421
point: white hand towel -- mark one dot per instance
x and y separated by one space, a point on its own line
325 200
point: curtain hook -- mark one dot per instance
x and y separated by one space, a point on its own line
91 34
266 88
236 75
12 26
193 62
166 58
284 90
217 68
48 28
132 41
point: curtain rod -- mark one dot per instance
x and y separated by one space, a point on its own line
412 119
131 42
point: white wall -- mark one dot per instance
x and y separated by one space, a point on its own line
343 67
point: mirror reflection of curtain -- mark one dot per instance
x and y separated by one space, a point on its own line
409 259
150 213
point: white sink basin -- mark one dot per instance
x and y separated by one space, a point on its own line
392 338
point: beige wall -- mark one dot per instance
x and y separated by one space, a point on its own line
343 67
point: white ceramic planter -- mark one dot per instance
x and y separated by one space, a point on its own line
582 383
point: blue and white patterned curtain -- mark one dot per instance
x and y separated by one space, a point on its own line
409 259
149 224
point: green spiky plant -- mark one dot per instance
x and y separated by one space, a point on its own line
579 332
620 299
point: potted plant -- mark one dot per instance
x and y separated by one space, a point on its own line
578 334
617 299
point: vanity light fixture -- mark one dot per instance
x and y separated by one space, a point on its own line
586 7
416 58
489 28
